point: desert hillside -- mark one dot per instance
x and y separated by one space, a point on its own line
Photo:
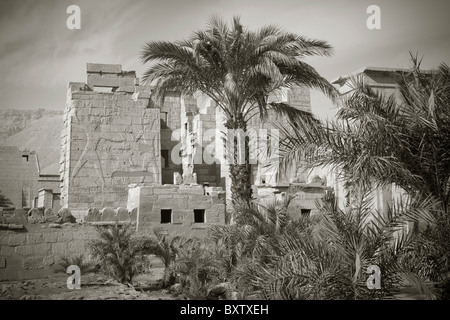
39 130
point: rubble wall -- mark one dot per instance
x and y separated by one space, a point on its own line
33 252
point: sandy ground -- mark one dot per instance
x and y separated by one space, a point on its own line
93 287
100 287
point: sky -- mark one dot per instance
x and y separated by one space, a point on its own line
39 55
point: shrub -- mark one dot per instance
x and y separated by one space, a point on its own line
197 268
120 252
165 249
326 256
86 265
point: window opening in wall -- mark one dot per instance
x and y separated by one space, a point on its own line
26 157
166 215
306 212
199 215
163 116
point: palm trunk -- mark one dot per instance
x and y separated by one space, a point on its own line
240 173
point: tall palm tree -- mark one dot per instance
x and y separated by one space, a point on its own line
380 140
237 68
377 139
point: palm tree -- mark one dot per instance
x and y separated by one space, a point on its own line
376 139
238 69
326 256
120 252
380 140
165 249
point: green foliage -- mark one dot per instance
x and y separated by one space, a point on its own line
120 252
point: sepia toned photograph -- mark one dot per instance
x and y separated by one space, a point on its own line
227 151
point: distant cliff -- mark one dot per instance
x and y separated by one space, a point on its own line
39 130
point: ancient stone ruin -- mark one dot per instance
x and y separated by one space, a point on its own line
119 165
117 146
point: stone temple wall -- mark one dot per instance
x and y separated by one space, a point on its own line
109 140
34 251
189 209
33 243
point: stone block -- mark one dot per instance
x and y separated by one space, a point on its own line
4 239
199 203
192 190
49 260
145 191
48 212
128 89
59 248
30 263
108 214
65 216
51 237
103 68
36 215
164 190
217 208
35 238
2 262
94 80
172 203
7 251
93 214
122 214
65 235
33 249
177 217
19 217
17 240
169 196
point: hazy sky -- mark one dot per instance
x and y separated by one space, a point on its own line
39 55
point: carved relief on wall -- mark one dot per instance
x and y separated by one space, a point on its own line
90 125
114 148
